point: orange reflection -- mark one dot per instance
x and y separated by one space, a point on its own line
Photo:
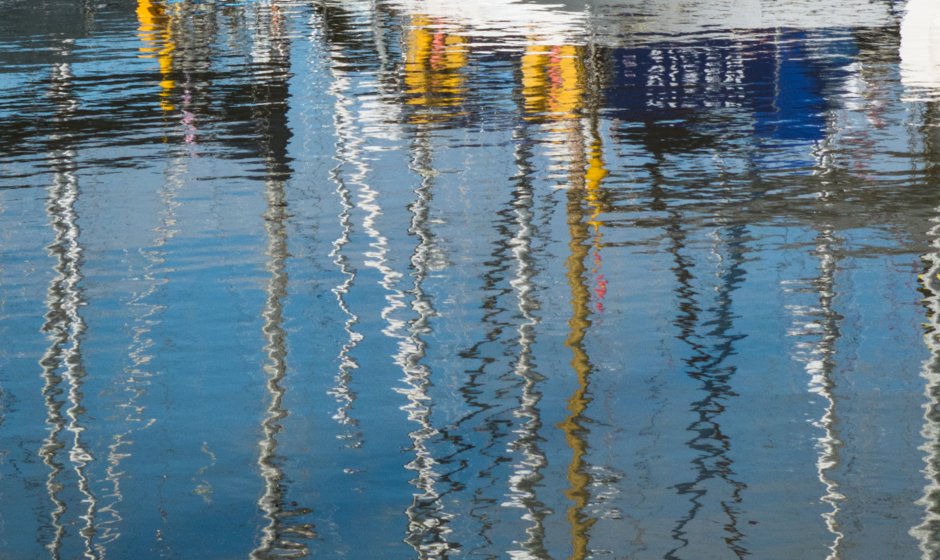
155 31
434 62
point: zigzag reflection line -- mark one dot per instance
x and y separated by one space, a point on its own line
819 362
526 472
137 373
426 515
68 326
926 532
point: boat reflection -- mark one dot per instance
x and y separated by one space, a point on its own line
920 49
485 161
434 64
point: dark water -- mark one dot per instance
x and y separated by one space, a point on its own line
467 279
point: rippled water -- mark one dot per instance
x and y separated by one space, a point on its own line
454 279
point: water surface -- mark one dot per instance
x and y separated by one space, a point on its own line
441 279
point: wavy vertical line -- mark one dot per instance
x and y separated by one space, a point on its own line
65 321
527 470
821 322
271 58
341 390
137 375
428 533
927 530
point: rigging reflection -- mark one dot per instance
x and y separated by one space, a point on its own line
286 534
63 364
711 349
527 470
139 374
428 522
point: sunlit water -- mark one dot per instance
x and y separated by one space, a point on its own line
470 279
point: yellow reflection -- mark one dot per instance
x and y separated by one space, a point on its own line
580 362
594 196
582 226
434 61
553 82
155 31
555 92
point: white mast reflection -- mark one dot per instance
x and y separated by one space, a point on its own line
920 74
926 532
138 374
65 324
428 531
341 391
820 322
271 60
526 472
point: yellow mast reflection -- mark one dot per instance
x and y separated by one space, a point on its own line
434 63
156 32
579 231
555 91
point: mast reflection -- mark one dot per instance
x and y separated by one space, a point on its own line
920 75
63 362
284 536
527 470
555 88
710 350
428 530
820 364
334 23
926 532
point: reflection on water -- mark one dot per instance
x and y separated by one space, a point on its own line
439 279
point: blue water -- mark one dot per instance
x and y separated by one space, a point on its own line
438 279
